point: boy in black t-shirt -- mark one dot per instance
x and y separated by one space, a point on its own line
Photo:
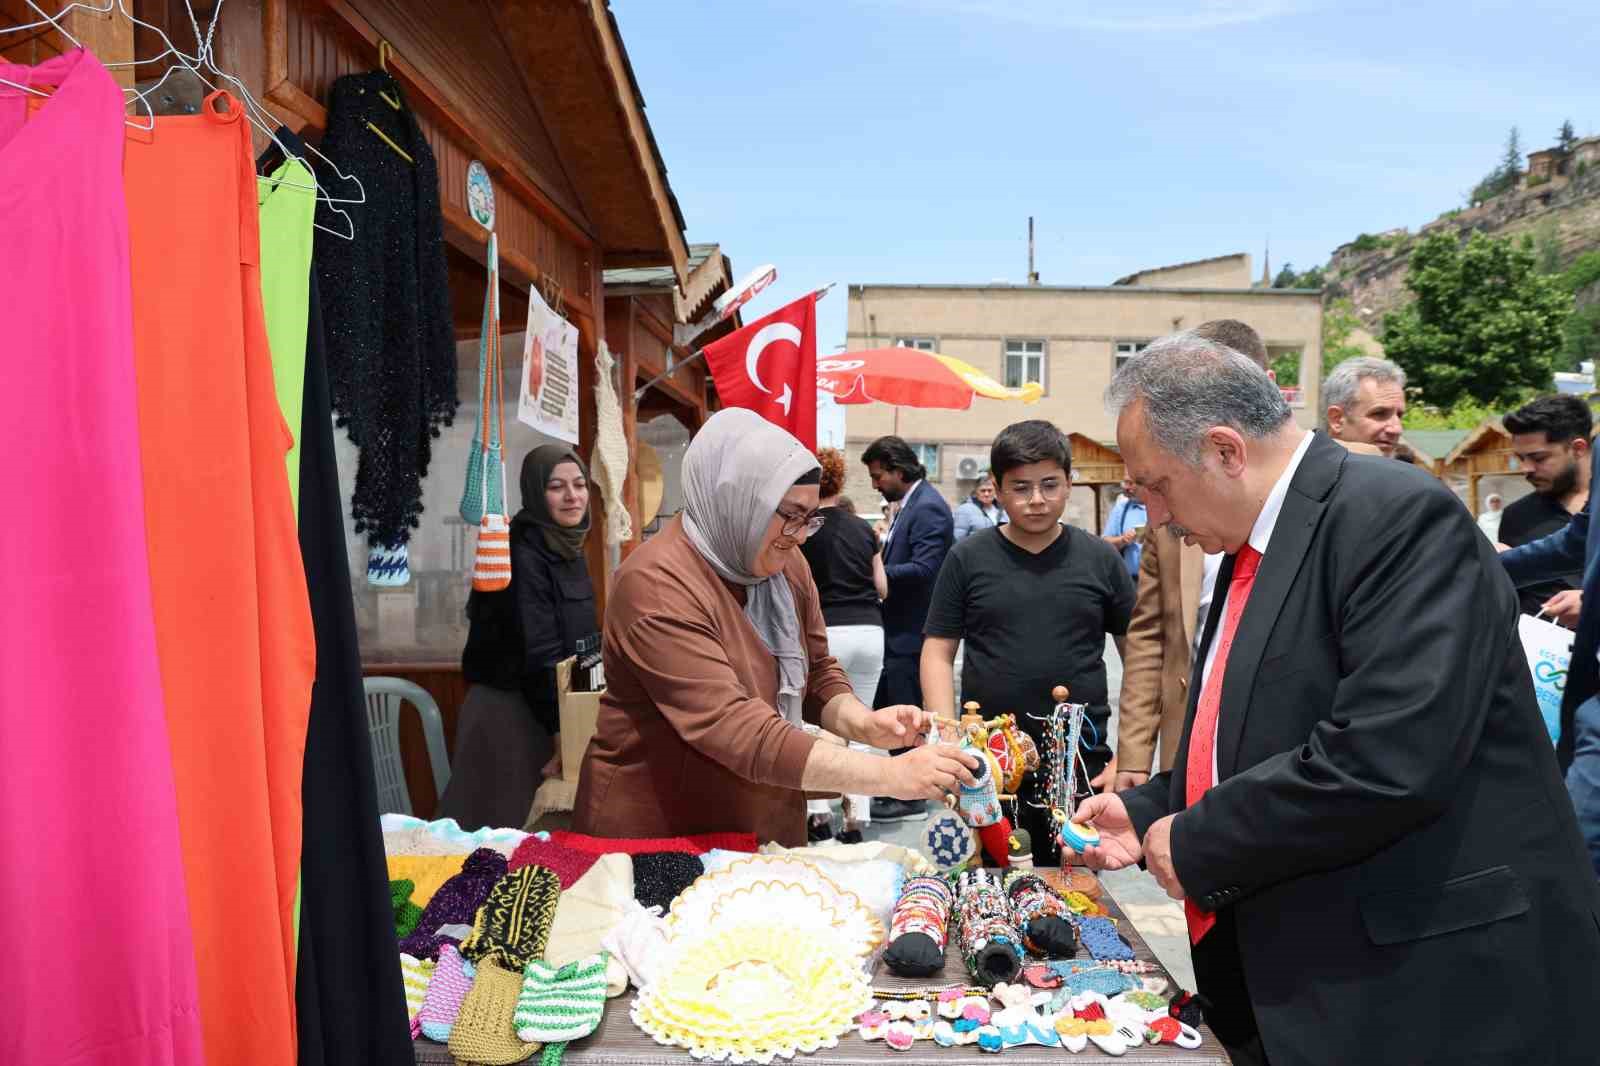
1034 600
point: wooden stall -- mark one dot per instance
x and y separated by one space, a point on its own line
1096 466
542 93
1485 452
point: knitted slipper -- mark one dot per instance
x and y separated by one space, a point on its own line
452 980
456 902
513 924
556 1006
484 1031
659 877
568 864
417 975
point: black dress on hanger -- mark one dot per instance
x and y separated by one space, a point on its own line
349 993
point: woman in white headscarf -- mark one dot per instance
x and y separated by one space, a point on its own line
716 655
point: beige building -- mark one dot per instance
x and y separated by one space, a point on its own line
1068 338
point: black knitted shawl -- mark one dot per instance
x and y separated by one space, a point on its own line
385 304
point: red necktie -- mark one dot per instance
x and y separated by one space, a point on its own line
1203 737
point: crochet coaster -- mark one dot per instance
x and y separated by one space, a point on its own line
692 845
986 933
1101 939
484 1031
568 864
660 876
406 913
452 980
513 924
920 928
456 902
949 841
1041 915
557 1005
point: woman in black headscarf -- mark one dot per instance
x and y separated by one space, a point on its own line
508 738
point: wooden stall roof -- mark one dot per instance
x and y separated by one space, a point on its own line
1432 445
1486 450
1094 463
570 53
710 275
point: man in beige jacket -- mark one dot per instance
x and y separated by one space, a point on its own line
1175 584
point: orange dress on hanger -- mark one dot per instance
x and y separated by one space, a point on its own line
233 622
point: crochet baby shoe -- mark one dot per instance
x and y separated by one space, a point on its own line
557 1005
406 913
568 864
456 903
485 1031
452 980
920 928
416 974
1042 916
659 877
513 924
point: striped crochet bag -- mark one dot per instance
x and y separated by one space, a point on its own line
481 492
491 564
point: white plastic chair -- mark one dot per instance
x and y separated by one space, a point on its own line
385 698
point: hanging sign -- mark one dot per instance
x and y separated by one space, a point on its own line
480 195
549 394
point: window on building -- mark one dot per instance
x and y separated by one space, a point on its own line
921 344
1024 363
928 456
1126 350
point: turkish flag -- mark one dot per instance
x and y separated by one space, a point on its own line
770 367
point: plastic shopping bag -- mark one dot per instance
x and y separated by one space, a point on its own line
1549 650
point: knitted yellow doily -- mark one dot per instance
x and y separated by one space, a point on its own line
755 992
727 894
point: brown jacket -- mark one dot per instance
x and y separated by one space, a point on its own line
688 739
1159 647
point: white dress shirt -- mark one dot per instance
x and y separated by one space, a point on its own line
1260 537
905 501
1208 588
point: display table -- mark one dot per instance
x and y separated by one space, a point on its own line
618 1042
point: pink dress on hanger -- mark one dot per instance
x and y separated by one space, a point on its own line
99 964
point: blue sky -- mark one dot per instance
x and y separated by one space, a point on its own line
908 140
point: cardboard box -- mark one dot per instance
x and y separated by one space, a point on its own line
579 712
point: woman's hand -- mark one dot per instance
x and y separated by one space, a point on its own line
896 727
929 772
553 767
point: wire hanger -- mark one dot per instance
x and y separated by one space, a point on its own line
53 21
383 65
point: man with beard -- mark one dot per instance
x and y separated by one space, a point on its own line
1550 437
918 539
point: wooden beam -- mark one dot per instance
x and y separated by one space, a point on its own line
427 96
108 34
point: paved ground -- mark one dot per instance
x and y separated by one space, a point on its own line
1158 918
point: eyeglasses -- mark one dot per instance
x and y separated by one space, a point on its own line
1050 488
794 523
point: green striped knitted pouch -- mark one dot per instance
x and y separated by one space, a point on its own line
558 1005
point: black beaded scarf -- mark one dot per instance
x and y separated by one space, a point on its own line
385 303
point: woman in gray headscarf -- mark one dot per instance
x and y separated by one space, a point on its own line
716 653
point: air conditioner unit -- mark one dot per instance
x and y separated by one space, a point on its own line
968 468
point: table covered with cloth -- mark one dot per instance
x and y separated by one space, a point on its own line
619 1043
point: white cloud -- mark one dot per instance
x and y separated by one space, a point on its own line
1127 16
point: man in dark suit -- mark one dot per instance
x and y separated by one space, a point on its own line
913 551
1365 819
1576 547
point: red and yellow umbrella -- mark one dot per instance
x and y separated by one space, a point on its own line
907 377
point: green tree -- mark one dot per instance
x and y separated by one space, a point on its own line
1504 176
1580 337
1465 415
1339 323
1566 138
1484 324
1285 278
